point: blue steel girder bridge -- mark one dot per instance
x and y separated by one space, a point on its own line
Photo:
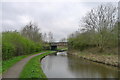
56 45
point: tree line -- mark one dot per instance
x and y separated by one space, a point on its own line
98 29
27 41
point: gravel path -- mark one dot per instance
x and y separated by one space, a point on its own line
16 69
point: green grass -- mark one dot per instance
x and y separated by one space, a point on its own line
9 63
33 68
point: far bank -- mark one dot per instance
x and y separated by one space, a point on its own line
107 59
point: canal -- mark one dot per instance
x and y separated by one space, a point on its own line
61 65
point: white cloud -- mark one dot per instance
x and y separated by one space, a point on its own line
62 18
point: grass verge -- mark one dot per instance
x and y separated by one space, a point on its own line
33 68
9 63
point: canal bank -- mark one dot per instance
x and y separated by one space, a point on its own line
107 59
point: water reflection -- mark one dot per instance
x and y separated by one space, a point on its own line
63 66
62 53
84 68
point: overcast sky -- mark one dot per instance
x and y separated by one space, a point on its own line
61 18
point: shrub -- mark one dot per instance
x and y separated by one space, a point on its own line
14 44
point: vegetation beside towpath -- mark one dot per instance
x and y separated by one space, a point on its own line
17 45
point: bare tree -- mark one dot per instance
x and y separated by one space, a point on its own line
63 40
50 37
32 32
44 37
102 21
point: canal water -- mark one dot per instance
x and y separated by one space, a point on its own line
61 65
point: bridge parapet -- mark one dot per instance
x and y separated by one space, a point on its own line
59 43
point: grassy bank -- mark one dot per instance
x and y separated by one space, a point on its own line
108 59
9 63
33 68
